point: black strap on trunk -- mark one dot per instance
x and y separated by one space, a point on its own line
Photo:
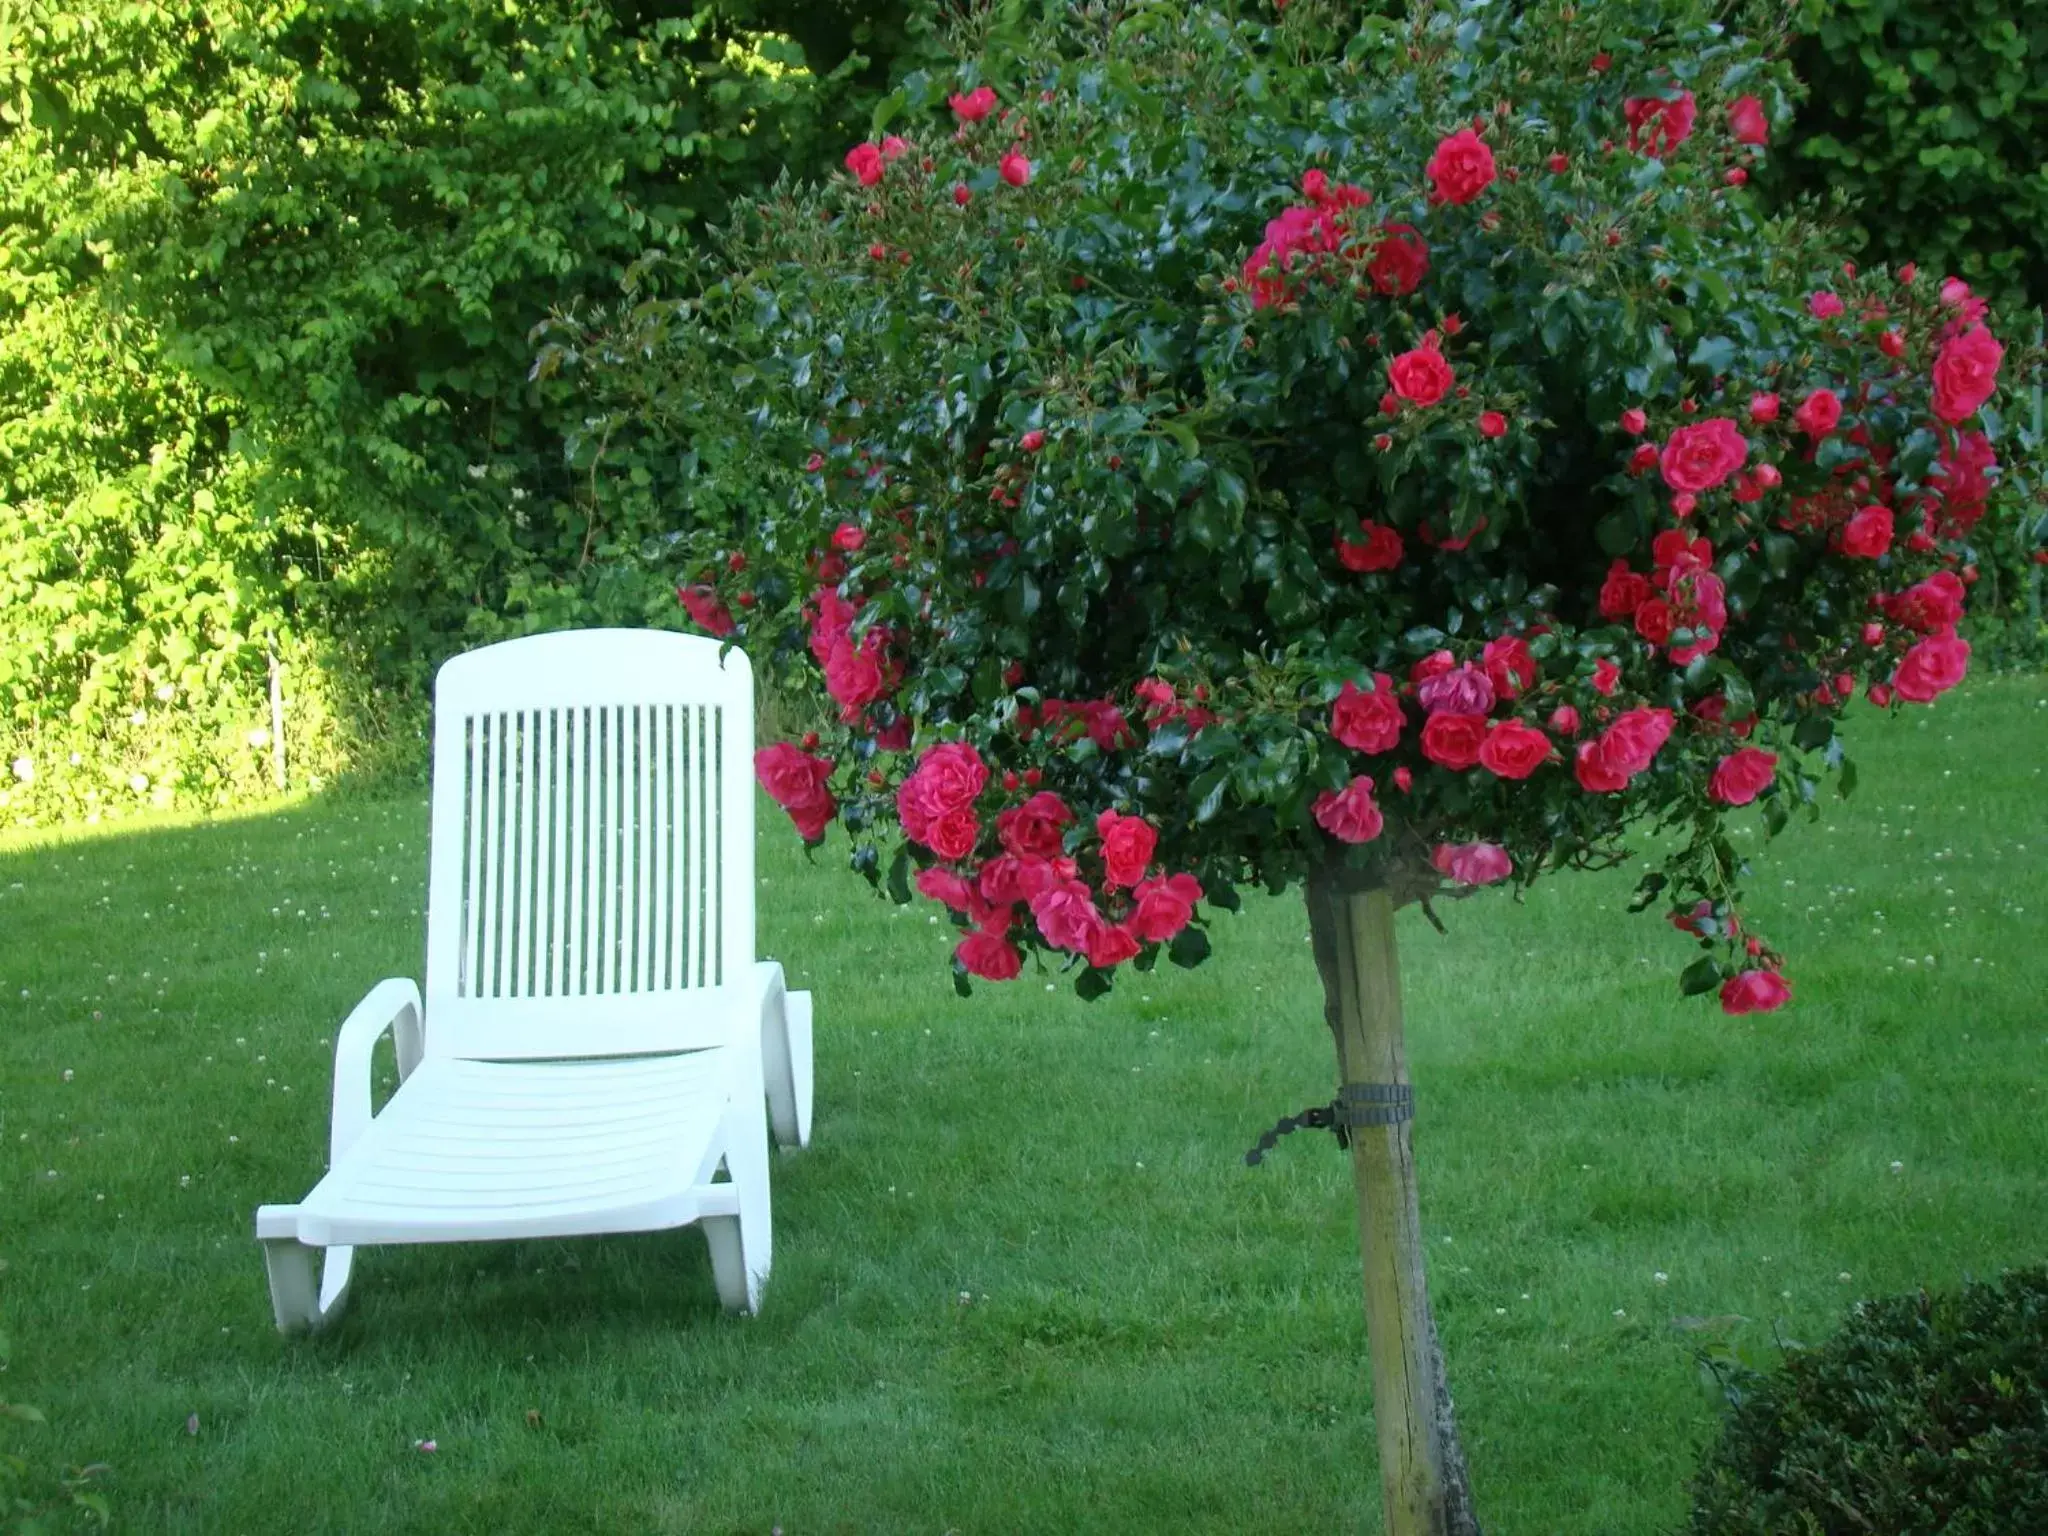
1357 1105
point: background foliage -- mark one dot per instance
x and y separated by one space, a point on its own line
266 277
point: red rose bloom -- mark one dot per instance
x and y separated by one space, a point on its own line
1066 915
1965 373
1127 846
1007 879
953 834
1453 741
1746 118
704 608
1349 814
1111 946
1421 376
1699 457
1656 126
1932 666
1032 830
1014 168
1461 168
989 955
1930 606
1509 666
1164 907
1606 677
1755 992
865 161
791 776
974 106
1868 534
1368 722
1400 260
1381 550
1763 408
1595 769
1492 424
1513 750
1634 422
1819 413
1654 621
1634 739
946 888
1741 776
1623 592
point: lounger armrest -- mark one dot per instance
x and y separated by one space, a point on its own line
392 1005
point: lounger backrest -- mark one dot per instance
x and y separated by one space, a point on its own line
593 846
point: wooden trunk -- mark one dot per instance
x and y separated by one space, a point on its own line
1424 1487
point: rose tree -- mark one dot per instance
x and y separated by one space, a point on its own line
1397 463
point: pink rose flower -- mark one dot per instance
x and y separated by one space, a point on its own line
1606 677
1400 260
1421 376
1509 666
1461 168
1699 457
1492 424
1368 722
1823 305
1655 126
1008 879
1747 120
1868 534
1465 690
974 106
1472 863
989 955
1965 373
1755 992
1067 916
705 609
1164 907
1381 551
1763 408
1453 741
1127 846
1111 946
1032 830
1349 814
1595 769
1014 168
1932 666
1514 750
1634 422
1819 413
865 161
1741 776
1623 592
1565 720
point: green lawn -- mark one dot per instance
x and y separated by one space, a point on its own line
1024 1282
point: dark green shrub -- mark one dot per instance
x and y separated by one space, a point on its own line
1927 1414
1930 117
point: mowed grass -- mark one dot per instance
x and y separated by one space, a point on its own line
1024 1282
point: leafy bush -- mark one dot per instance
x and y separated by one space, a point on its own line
1928 117
1927 1415
1522 483
266 279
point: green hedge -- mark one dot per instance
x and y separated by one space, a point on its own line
1931 118
1927 1415
267 273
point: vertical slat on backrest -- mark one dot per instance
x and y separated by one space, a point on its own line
615 846
543 858
714 874
679 783
597 845
650 876
693 870
737 892
515 852
574 857
472 835
481 896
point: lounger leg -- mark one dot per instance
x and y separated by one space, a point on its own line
786 1056
308 1286
742 1245
728 1265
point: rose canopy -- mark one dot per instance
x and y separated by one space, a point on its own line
1391 458
1190 452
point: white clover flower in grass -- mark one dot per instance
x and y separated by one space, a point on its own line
25 770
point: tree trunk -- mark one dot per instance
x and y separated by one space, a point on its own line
1423 1482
